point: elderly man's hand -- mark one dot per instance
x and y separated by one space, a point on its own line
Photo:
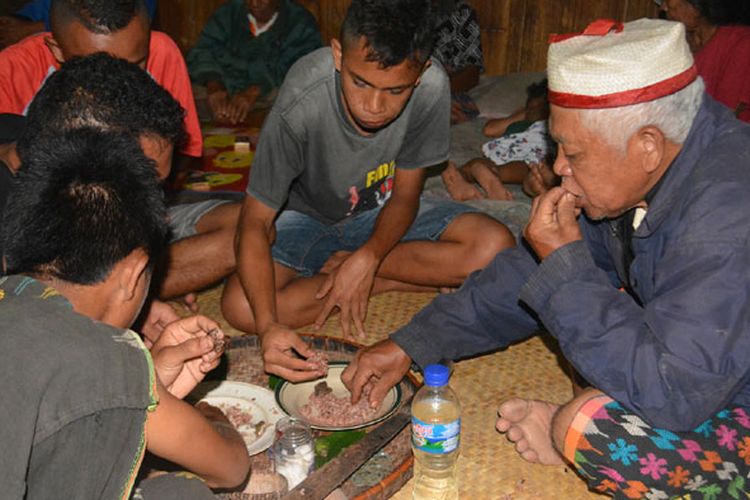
381 366
552 223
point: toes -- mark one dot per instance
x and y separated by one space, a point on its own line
502 425
530 456
522 445
514 409
515 434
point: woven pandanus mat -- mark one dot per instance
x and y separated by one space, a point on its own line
489 467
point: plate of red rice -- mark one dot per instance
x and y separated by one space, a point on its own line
325 403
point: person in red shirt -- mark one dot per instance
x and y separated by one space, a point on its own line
721 49
201 232
79 31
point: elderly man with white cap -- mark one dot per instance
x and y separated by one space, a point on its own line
639 265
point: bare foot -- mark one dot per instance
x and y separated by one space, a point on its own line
190 302
491 183
459 188
528 423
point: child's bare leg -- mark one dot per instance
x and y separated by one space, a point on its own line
497 126
483 171
458 187
511 173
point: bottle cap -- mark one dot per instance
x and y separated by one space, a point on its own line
436 375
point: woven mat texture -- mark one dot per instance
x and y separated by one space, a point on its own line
489 468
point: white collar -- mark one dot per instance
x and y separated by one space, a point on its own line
259 30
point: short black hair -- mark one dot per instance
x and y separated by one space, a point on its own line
394 30
537 90
98 16
718 12
104 92
83 200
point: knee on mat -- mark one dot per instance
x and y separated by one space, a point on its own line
486 245
235 309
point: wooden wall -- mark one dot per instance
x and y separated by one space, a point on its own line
514 32
8 7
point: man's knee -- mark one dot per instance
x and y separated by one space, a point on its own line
483 238
222 218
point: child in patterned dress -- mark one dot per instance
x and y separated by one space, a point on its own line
519 154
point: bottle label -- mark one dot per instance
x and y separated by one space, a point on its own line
435 438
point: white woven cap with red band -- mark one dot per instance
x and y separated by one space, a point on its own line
612 64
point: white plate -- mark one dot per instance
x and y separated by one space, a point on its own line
257 401
291 397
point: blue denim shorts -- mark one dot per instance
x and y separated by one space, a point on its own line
305 244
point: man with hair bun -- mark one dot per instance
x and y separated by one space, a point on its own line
639 266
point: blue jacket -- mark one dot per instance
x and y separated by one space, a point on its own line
676 349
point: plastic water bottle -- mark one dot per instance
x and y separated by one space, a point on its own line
435 431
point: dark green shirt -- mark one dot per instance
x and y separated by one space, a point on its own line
75 393
229 53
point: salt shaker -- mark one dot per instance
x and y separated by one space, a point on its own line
293 452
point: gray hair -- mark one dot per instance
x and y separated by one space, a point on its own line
673 115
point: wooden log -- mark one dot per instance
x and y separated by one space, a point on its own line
324 480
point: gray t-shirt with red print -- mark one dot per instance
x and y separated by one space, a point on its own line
311 159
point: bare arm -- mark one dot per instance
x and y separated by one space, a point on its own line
397 215
497 127
181 434
255 235
255 268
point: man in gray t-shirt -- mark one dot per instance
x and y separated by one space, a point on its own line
332 212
